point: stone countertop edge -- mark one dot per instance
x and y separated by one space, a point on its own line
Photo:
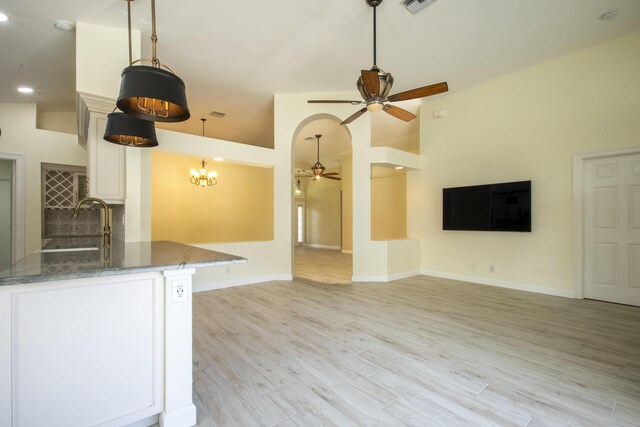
172 256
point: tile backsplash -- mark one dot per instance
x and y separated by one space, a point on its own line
61 223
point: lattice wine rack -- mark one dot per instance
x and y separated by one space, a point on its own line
59 189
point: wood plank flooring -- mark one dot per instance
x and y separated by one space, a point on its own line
417 352
322 265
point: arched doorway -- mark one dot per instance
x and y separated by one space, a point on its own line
322 217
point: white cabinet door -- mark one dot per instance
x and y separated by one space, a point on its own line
612 229
106 163
86 352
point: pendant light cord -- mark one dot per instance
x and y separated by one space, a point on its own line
154 37
318 148
203 120
129 26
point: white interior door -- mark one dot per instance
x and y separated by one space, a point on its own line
6 208
612 229
5 223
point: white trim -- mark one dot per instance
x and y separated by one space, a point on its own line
565 293
185 416
347 251
201 287
146 422
363 278
19 205
313 245
389 278
578 211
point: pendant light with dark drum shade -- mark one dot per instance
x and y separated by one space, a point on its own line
151 92
123 129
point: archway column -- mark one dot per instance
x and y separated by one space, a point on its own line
370 258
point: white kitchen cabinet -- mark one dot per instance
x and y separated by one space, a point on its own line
105 161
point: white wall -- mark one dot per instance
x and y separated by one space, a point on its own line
101 55
523 126
20 136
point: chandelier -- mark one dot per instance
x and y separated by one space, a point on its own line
202 177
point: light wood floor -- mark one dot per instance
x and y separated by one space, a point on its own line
420 351
322 265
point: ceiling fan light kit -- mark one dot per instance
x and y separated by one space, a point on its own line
152 92
374 86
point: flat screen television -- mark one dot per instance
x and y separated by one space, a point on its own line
493 207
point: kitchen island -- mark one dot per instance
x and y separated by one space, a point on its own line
100 336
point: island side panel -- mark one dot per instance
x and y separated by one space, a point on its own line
179 410
82 352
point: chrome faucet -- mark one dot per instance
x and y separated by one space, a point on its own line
106 230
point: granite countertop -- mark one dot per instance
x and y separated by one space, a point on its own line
119 258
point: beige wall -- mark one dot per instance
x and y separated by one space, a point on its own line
238 209
20 137
65 122
322 203
347 203
388 204
525 126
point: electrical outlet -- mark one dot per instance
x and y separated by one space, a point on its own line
179 291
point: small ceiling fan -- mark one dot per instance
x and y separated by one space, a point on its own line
317 170
374 86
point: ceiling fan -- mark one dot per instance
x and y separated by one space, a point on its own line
317 170
374 86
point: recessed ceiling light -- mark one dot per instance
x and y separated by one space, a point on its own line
218 159
25 90
64 25
3 17
399 167
608 16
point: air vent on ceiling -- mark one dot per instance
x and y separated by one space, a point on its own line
415 6
217 114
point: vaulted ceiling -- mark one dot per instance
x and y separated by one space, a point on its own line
234 55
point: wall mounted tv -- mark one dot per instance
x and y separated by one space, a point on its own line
492 207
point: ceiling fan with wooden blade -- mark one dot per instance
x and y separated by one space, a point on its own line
317 170
374 85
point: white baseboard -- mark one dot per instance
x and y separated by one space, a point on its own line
389 278
502 284
201 287
180 417
149 421
313 245
347 251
